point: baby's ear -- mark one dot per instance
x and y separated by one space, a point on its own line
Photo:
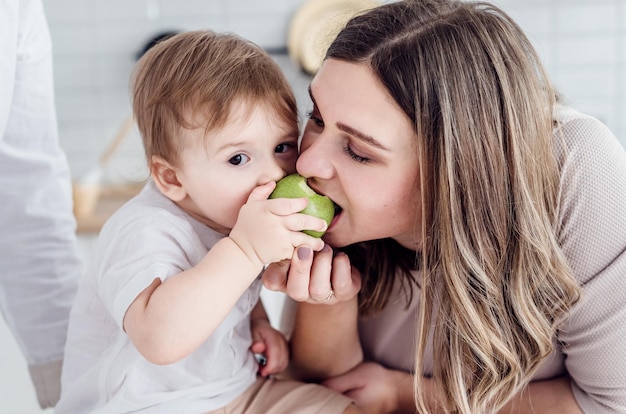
165 177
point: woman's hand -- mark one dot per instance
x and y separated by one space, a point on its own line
314 278
376 389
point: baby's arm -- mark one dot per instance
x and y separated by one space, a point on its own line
169 319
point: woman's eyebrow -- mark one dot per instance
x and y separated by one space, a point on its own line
354 132
360 135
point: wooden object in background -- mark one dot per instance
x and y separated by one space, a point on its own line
109 199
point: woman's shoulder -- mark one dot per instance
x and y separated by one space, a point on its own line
593 193
590 155
582 133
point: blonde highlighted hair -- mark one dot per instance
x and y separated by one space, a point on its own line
495 282
200 75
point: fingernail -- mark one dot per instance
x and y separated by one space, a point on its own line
326 247
304 252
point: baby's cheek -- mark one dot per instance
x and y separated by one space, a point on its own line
231 212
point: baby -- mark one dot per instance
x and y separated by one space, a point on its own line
168 317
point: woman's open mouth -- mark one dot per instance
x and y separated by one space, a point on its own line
338 211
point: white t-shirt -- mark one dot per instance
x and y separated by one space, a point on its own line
148 238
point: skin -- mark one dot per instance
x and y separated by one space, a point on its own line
269 342
370 145
340 163
240 163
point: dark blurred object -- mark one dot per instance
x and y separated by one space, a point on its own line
154 40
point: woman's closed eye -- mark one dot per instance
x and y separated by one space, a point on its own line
239 159
348 150
317 121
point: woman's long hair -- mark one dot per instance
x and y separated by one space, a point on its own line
495 283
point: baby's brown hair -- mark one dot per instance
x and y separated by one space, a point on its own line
202 73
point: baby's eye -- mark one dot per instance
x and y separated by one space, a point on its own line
239 159
284 147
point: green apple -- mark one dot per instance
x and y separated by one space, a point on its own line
295 186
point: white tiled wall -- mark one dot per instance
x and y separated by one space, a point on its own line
583 44
95 43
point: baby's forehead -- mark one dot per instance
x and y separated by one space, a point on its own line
240 109
207 118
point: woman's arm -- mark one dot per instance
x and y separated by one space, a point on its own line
375 389
378 390
547 397
324 340
325 344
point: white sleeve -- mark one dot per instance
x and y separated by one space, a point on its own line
39 264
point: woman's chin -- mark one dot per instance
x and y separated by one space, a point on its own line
336 239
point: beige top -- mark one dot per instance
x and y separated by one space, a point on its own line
592 344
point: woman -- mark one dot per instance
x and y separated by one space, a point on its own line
471 199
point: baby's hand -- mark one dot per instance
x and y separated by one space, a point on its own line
269 230
272 345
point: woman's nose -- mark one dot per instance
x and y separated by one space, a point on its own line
315 158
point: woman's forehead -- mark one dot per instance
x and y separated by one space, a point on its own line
350 97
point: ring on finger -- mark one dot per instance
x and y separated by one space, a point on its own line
327 298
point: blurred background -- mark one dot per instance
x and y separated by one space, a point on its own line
96 42
582 43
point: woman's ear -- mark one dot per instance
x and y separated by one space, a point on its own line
165 177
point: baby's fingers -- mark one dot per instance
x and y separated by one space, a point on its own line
298 238
262 192
287 206
300 222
